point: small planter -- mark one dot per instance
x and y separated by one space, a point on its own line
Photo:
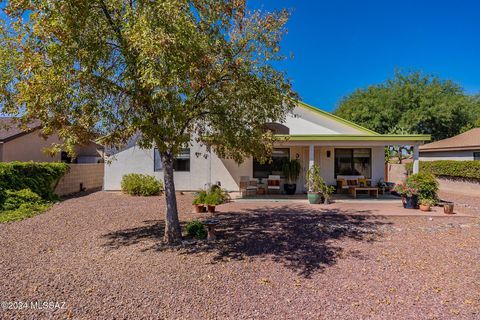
211 209
410 202
425 208
315 197
198 208
448 208
290 189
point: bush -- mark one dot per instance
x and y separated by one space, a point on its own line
25 210
196 229
450 168
39 177
16 198
141 185
200 197
214 199
426 184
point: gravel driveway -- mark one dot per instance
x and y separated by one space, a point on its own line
99 257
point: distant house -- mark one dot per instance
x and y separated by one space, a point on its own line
29 145
465 146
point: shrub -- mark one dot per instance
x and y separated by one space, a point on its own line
315 182
16 198
39 177
450 168
214 199
426 184
427 202
141 185
196 229
200 197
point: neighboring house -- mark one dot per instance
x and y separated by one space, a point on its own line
29 145
465 146
313 137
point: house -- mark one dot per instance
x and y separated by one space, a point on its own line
309 134
29 145
465 146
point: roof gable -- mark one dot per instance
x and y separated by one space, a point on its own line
310 120
10 128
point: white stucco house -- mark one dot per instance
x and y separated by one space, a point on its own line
309 134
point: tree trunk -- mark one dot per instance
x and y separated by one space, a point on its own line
173 233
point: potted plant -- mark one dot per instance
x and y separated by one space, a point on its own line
199 201
448 207
315 185
327 193
291 171
426 204
408 191
212 200
427 185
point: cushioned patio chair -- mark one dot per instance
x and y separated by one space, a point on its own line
248 186
273 184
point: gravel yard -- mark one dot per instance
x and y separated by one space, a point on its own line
101 255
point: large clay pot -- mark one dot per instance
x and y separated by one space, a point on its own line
211 209
198 208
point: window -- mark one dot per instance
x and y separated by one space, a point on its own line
354 162
181 162
65 158
476 156
274 167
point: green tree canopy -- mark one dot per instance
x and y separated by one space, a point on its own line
172 70
412 102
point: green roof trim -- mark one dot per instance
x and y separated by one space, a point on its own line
336 118
354 137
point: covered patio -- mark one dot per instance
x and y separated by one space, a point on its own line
340 157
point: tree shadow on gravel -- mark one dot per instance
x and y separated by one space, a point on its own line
305 241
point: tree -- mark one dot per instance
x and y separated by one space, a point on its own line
171 70
413 101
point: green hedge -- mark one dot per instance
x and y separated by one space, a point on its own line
39 177
450 168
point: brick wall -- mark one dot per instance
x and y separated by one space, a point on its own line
89 175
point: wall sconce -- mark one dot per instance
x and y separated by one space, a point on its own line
328 153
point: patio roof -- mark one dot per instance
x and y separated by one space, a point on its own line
355 137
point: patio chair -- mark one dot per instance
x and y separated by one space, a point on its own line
248 186
273 184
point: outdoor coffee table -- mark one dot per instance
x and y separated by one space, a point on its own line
373 192
211 224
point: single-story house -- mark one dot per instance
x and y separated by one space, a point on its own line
462 147
309 134
17 144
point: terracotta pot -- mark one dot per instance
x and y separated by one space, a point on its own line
425 207
448 208
198 208
211 209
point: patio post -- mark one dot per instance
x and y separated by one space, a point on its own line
311 157
416 163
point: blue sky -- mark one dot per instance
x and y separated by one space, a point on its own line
341 45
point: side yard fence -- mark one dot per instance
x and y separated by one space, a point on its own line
81 177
